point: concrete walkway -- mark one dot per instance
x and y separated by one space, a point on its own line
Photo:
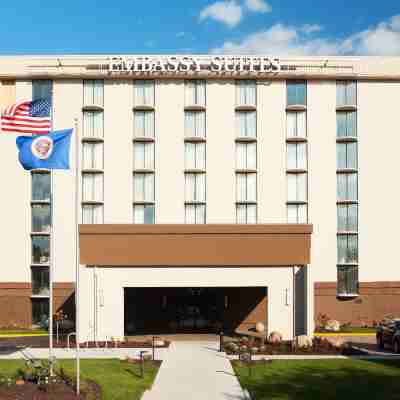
195 371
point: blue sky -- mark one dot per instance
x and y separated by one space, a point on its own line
275 27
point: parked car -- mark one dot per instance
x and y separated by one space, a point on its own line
388 333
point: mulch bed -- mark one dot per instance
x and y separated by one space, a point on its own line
53 391
319 347
43 342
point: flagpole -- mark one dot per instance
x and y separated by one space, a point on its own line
51 264
77 255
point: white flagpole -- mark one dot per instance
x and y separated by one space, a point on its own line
77 255
51 264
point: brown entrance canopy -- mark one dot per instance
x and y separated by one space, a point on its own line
195 245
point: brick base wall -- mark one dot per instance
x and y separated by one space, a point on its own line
16 305
375 300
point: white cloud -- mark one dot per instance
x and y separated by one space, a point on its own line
311 28
280 39
227 12
258 6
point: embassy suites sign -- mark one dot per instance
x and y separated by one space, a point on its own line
205 64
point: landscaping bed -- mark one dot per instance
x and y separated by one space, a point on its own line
106 379
43 342
317 346
345 379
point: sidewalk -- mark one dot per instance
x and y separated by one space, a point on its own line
195 371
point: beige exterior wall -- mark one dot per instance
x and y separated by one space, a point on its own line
379 192
99 318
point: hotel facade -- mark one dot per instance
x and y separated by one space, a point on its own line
213 193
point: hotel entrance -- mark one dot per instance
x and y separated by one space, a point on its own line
193 309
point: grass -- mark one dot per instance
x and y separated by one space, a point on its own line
119 380
353 330
321 379
22 332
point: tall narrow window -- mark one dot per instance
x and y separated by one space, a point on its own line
143 184
92 187
40 222
92 155
144 93
296 93
296 152
143 213
246 155
297 187
195 155
246 187
93 92
195 187
195 93
195 213
296 126
246 213
246 93
143 155
93 151
347 188
296 156
195 124
246 124
40 281
346 93
143 124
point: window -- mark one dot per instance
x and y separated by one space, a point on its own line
143 185
40 281
195 156
92 187
40 249
143 156
296 124
92 155
195 124
296 156
143 214
41 186
195 187
92 214
93 124
144 93
195 213
246 213
296 93
246 124
346 93
195 93
246 93
347 186
40 310
297 187
93 92
41 218
347 248
246 155
144 124
347 217
297 213
246 187
347 277
42 89
346 124
346 155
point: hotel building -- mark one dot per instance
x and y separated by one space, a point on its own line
214 193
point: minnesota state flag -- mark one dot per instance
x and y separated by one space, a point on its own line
49 151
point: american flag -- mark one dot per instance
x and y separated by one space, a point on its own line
31 117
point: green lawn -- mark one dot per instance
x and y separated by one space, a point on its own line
322 379
118 380
351 329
